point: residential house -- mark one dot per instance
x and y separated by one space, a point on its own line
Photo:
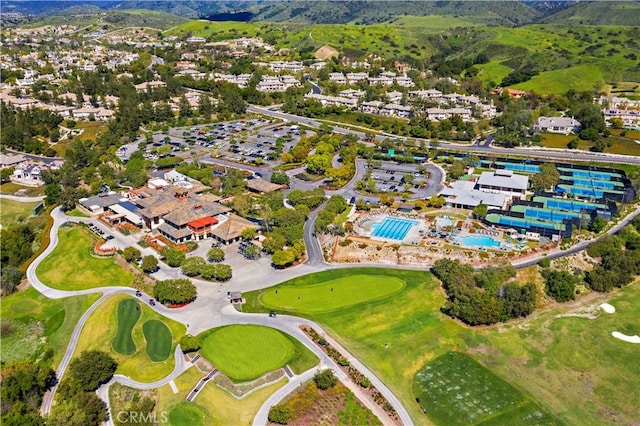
563 125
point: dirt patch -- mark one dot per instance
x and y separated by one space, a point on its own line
326 52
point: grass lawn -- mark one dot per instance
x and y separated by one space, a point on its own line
619 144
28 191
331 295
102 326
15 211
246 352
456 389
71 265
128 316
158 338
556 361
75 213
187 414
220 408
54 321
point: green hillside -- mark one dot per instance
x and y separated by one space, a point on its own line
598 13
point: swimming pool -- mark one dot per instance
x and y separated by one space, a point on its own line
393 228
478 241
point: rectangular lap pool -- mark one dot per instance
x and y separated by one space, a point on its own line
478 241
393 228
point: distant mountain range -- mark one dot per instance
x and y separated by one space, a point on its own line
505 13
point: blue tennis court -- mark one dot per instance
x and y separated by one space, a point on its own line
393 228
549 215
524 223
595 183
576 206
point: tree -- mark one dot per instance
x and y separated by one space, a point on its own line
547 178
10 279
216 254
189 343
252 251
598 224
23 385
175 292
248 234
282 258
173 257
205 107
91 370
280 178
325 379
480 211
130 254
273 242
222 272
280 414
192 266
149 263
456 170
560 285
17 239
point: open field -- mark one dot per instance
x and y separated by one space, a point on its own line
11 188
128 316
331 295
15 211
102 326
337 405
619 144
218 407
246 352
71 266
158 338
455 389
554 359
565 56
55 319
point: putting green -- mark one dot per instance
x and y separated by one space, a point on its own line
158 338
246 352
128 315
331 295
186 414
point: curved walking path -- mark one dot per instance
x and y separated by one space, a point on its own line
22 199
220 312
227 315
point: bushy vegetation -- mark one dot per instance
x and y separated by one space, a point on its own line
561 285
189 343
23 386
336 205
325 379
619 260
280 414
77 401
175 292
483 297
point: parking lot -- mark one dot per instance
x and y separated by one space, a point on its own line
393 177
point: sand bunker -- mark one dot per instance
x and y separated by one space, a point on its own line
630 339
608 308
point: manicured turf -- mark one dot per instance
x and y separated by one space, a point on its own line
102 326
331 295
158 338
128 315
554 360
186 414
246 352
71 265
15 211
455 389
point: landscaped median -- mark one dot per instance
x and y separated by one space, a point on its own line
136 342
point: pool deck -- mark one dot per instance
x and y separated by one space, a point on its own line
413 237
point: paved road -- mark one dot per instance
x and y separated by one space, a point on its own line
212 309
22 199
486 148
